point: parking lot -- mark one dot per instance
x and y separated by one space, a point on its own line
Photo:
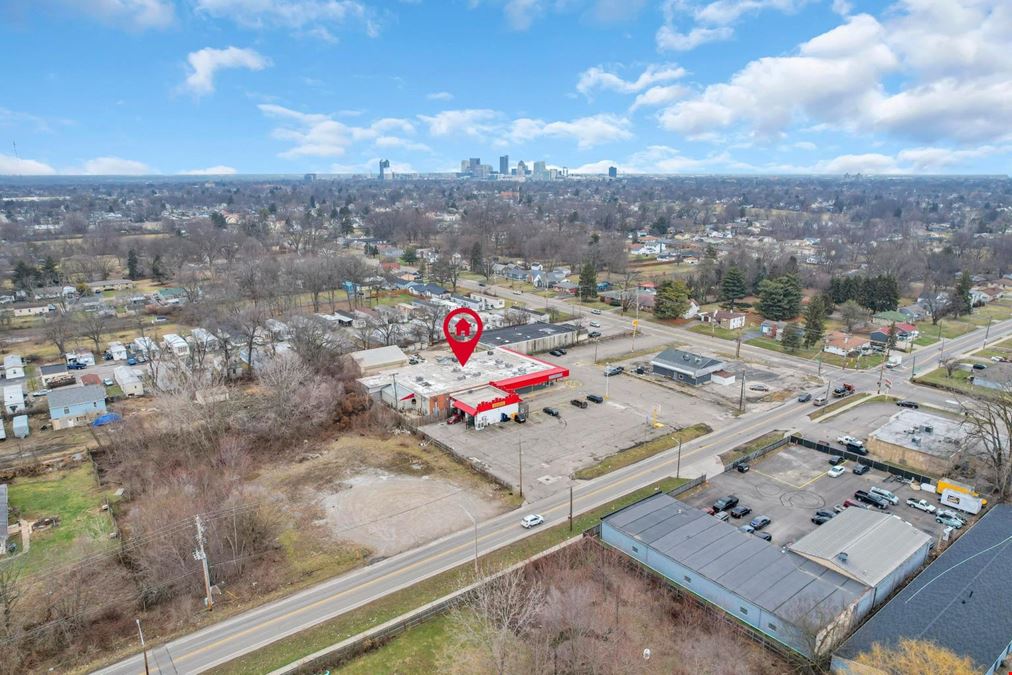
791 484
555 447
858 421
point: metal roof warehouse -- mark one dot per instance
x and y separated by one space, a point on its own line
784 596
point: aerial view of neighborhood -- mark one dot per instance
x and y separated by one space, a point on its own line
455 388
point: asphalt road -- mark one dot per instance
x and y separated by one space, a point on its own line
252 630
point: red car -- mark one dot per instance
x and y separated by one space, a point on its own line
453 419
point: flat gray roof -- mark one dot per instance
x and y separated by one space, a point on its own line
687 362
907 428
960 602
785 583
68 396
532 331
874 544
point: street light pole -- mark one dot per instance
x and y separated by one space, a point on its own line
520 450
678 467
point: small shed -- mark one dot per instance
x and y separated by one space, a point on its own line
128 381
14 399
52 371
722 377
20 425
117 351
14 367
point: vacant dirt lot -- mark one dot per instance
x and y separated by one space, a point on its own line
384 495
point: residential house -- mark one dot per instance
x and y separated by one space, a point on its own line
724 319
128 381
14 399
843 344
53 372
117 351
693 311
146 347
489 302
203 339
80 356
14 367
176 345
109 285
686 366
429 290
912 313
71 406
905 332
37 310
773 329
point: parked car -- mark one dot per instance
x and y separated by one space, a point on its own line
721 516
868 498
951 514
558 352
979 366
759 522
76 366
595 311
847 503
532 520
747 529
594 334
724 503
39 394
819 400
836 460
579 403
640 370
595 324
518 292
820 520
885 494
453 419
849 440
804 398
160 319
740 511
108 382
839 508
861 469
827 514
743 467
921 505
131 361
765 536
904 403
951 522
613 370
758 387
836 471
554 412
857 449
594 398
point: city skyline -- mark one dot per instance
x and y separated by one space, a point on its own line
139 87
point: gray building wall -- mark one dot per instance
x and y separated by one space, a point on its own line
680 377
902 572
759 619
539 344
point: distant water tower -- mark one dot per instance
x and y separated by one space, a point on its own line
384 165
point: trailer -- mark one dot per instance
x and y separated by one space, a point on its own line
962 501
21 426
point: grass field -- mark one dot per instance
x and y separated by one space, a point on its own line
939 378
836 405
643 450
715 331
380 611
733 455
74 497
812 354
417 650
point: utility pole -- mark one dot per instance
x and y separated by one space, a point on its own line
520 452
913 367
737 351
881 372
820 364
741 397
394 376
941 353
200 554
988 330
678 467
144 650
828 384
570 508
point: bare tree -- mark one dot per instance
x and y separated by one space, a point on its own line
92 325
988 424
59 330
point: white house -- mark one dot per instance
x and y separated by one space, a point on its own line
128 381
204 339
176 345
693 310
488 301
146 347
14 399
117 351
82 356
14 367
38 310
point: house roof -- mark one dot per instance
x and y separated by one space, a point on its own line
785 583
379 357
959 602
862 544
68 396
532 331
844 341
53 368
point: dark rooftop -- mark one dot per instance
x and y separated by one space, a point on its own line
961 601
687 361
53 368
513 334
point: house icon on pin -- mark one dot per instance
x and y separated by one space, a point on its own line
462 329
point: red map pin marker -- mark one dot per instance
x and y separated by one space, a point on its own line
462 328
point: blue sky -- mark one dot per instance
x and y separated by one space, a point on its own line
678 86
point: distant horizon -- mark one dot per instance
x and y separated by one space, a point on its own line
697 87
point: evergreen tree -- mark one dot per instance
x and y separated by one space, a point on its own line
672 299
732 287
25 276
780 299
815 316
588 282
410 255
157 273
792 338
477 257
891 338
961 302
133 265
50 273
218 220
792 295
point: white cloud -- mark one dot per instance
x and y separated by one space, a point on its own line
599 78
440 96
112 166
805 145
669 39
655 96
843 7
217 170
616 11
13 166
724 12
320 135
129 14
663 159
520 14
586 131
871 162
208 61
311 15
470 122
599 167
956 83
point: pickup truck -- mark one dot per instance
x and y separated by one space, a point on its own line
921 505
843 390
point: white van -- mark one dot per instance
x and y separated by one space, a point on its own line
885 494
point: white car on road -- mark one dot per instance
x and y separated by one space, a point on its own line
595 324
533 520
835 471
850 440
921 505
